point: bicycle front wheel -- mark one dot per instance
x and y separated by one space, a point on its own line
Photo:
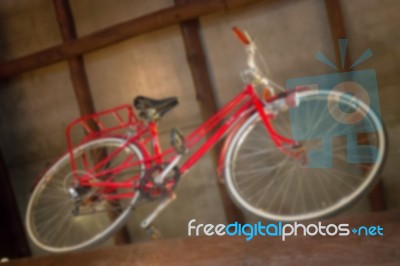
341 145
56 222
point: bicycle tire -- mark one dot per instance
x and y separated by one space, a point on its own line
89 221
282 213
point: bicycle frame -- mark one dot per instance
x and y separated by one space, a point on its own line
244 104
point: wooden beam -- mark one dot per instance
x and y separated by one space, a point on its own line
206 98
13 242
259 251
376 198
120 32
338 31
76 66
81 86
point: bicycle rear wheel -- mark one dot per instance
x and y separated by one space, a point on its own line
342 142
56 222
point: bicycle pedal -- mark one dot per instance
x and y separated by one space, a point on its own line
177 141
153 232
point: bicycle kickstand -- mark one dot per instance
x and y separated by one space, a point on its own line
147 223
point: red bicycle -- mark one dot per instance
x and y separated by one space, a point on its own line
273 160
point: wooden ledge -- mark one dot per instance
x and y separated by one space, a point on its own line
351 250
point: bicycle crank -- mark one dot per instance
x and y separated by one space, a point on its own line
160 207
151 189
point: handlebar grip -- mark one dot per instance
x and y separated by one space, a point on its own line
241 35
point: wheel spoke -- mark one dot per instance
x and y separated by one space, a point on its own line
275 186
51 223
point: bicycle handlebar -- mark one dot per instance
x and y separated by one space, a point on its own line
242 36
245 39
253 72
256 75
